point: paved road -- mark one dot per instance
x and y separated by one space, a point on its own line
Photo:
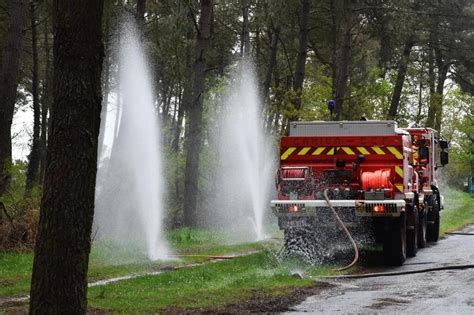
436 292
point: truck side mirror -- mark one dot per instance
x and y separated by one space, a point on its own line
443 144
444 158
424 154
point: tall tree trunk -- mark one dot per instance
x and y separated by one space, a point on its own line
245 40
402 71
45 98
195 116
343 60
34 157
106 80
435 110
271 62
187 99
385 47
334 43
140 17
432 85
177 129
59 280
9 77
301 59
443 68
420 91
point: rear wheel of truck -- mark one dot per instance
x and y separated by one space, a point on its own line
432 230
412 230
300 243
422 228
395 241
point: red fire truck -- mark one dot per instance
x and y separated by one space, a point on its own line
382 176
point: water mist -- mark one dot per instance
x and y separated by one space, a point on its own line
245 158
129 205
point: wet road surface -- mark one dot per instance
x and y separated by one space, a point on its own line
435 292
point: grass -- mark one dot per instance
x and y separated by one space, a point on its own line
213 285
111 260
15 273
458 211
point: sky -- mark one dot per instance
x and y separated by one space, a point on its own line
21 133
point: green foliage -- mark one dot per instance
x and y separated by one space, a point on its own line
371 98
14 198
458 210
316 92
458 129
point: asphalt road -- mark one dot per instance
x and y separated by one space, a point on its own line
435 292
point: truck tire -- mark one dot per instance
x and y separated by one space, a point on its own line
422 220
432 229
395 241
412 230
301 243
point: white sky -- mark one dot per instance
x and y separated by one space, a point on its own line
21 133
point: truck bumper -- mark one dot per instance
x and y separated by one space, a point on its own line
363 208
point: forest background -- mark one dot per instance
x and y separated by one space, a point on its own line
411 61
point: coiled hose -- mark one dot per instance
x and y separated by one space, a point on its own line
342 225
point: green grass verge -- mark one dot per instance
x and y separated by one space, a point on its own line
458 210
212 285
111 260
15 273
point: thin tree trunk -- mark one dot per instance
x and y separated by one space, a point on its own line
443 68
432 84
334 43
401 74
301 59
435 109
195 116
59 280
271 62
420 92
385 50
106 81
344 59
140 17
9 77
245 40
187 99
34 157
45 100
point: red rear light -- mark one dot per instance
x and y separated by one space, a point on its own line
379 208
293 208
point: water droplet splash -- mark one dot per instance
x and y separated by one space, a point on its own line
130 193
246 161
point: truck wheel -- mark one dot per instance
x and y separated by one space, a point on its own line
395 241
301 243
432 229
422 229
412 230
